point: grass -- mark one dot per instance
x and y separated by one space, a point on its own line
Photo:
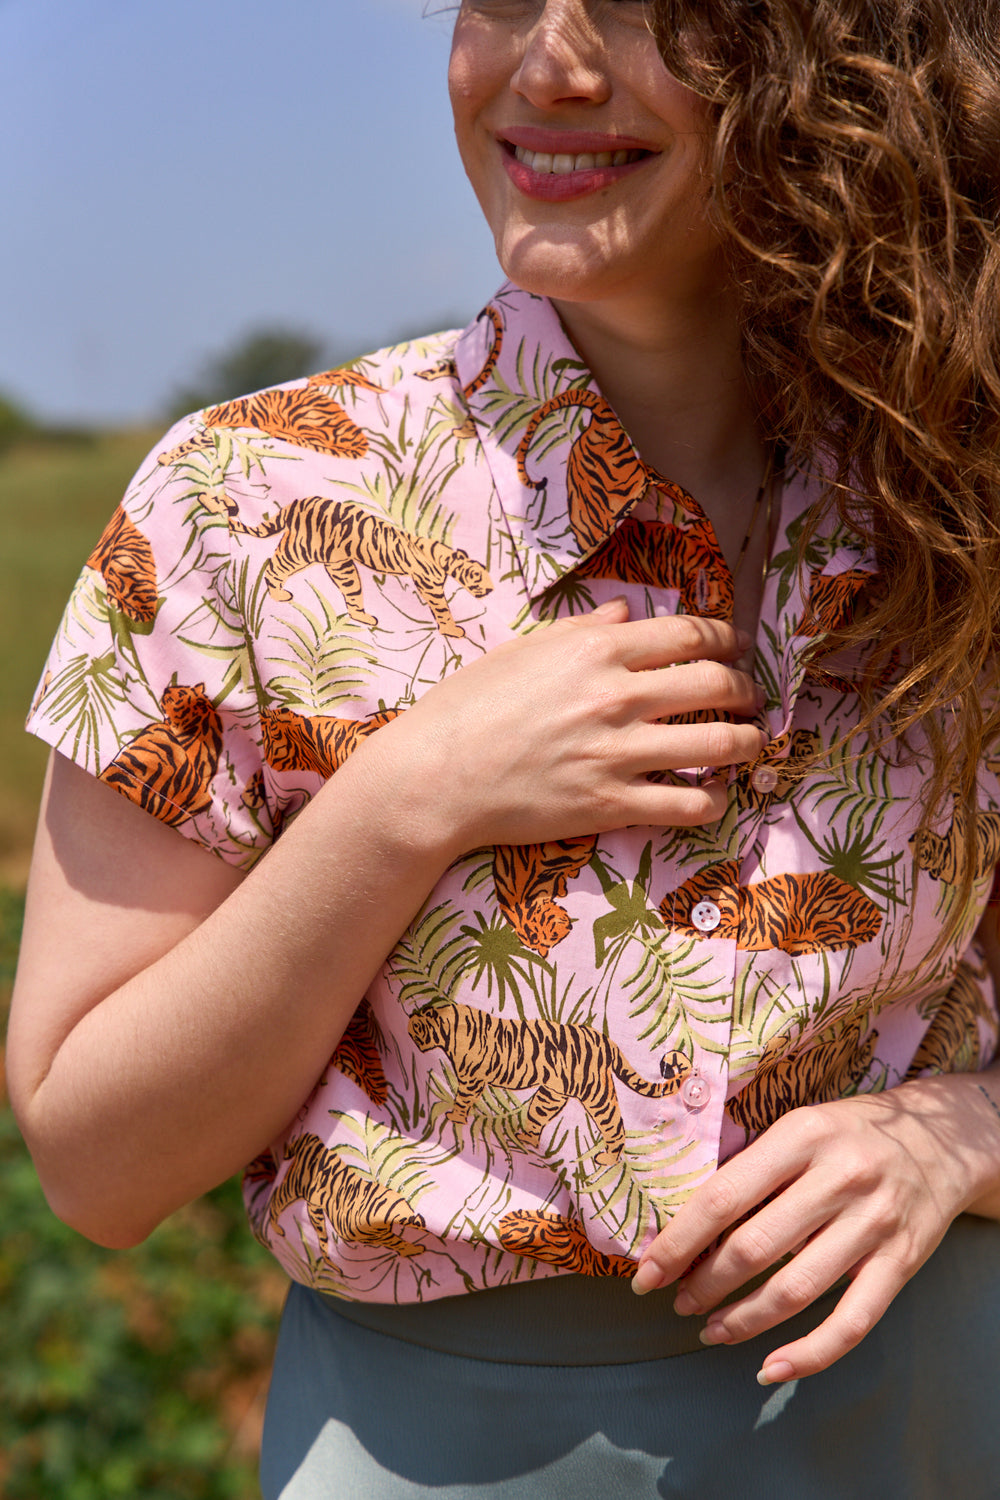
54 501
138 1373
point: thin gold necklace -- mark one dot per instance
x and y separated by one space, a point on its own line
766 487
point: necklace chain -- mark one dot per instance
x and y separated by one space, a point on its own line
765 488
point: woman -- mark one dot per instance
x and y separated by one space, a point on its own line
663 914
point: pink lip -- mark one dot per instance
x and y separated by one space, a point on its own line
560 187
572 142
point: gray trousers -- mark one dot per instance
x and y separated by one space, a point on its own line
487 1397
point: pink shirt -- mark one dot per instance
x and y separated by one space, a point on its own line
571 1036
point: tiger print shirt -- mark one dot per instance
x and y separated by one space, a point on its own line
571 1036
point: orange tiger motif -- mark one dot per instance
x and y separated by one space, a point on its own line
559 1242
832 605
790 756
338 534
528 877
489 365
320 743
445 369
168 768
816 1074
359 1210
661 556
603 475
558 1062
307 418
951 1043
358 1054
124 559
833 600
809 913
942 854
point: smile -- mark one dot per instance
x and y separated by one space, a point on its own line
562 163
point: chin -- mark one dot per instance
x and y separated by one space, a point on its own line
563 270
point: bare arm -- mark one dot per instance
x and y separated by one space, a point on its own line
169 1018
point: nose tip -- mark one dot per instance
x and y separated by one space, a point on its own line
562 59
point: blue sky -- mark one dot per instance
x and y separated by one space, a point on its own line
177 174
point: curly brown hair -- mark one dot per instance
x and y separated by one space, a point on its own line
855 162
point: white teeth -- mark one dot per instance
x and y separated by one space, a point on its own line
562 162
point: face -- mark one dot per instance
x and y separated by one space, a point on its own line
585 154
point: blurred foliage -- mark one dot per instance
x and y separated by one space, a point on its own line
263 358
54 502
15 423
135 1373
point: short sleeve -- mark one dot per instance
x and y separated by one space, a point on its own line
149 682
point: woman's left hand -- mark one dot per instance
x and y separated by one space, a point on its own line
864 1187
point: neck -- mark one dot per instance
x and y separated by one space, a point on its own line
674 377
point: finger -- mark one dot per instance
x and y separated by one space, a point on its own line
833 1253
855 1315
684 806
783 1227
664 640
678 747
729 1195
669 691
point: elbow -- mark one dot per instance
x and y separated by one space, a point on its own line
81 1197
102 1228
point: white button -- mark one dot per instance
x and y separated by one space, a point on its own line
695 1092
706 916
764 779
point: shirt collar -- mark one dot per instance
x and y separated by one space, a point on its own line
566 473
564 469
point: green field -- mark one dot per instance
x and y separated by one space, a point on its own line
138 1374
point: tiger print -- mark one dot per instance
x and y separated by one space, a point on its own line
817 1074
603 475
809 913
661 556
559 1062
358 1054
360 1211
445 369
951 1043
320 743
339 535
168 768
941 854
791 754
124 559
559 1242
307 418
528 877
832 601
342 376
489 365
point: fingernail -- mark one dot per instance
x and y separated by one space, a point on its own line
761 697
648 1278
610 604
743 640
775 1373
715 1333
684 1304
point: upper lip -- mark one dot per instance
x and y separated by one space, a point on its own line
569 142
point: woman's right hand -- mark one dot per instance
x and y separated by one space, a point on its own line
553 734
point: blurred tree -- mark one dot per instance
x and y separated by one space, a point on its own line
261 358
14 422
